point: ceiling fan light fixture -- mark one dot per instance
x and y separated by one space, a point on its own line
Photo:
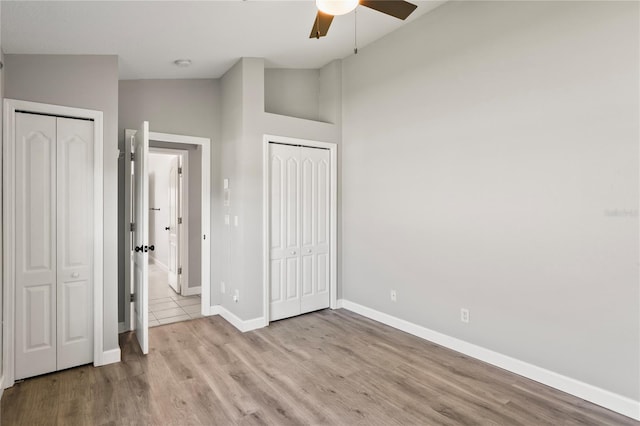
336 7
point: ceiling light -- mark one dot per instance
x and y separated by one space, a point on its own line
182 63
336 7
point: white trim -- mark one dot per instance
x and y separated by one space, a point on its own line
122 327
205 144
266 211
191 291
156 262
599 396
128 252
243 326
10 107
1 387
111 357
181 139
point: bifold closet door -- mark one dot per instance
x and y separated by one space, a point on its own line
35 246
74 242
314 226
54 244
299 230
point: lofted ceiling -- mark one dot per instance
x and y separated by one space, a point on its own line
149 35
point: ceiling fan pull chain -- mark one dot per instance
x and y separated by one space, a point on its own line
355 31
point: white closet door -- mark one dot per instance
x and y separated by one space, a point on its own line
285 231
35 245
174 238
74 242
315 181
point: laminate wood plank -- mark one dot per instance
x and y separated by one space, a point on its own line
324 368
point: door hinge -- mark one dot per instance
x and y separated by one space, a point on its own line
132 227
179 170
132 297
180 270
133 156
179 221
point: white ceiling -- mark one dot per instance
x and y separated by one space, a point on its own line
149 35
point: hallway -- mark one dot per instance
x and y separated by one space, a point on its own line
165 305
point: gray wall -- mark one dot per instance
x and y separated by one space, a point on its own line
244 125
292 92
185 107
490 161
89 82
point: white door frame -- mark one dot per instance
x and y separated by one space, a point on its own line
184 233
205 144
11 106
266 216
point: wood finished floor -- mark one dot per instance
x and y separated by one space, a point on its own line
329 367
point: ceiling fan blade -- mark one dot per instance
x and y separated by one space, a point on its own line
396 8
321 25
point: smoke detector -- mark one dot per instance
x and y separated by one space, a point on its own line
182 63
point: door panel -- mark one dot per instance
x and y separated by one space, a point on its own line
285 231
315 223
35 246
141 235
174 237
74 242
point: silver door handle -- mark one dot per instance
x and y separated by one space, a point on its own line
293 252
308 250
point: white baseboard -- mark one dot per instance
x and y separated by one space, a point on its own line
242 325
155 261
191 291
211 310
109 357
599 396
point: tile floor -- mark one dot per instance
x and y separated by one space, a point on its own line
165 305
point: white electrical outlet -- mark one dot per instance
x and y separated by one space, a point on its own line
394 296
464 315
236 296
223 287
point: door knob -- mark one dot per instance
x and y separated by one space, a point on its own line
293 252
166 228
137 249
152 247
308 250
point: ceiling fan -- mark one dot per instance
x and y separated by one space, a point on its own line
327 9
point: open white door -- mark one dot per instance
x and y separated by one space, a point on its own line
174 229
141 236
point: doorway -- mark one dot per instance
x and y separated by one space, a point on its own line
169 244
171 298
